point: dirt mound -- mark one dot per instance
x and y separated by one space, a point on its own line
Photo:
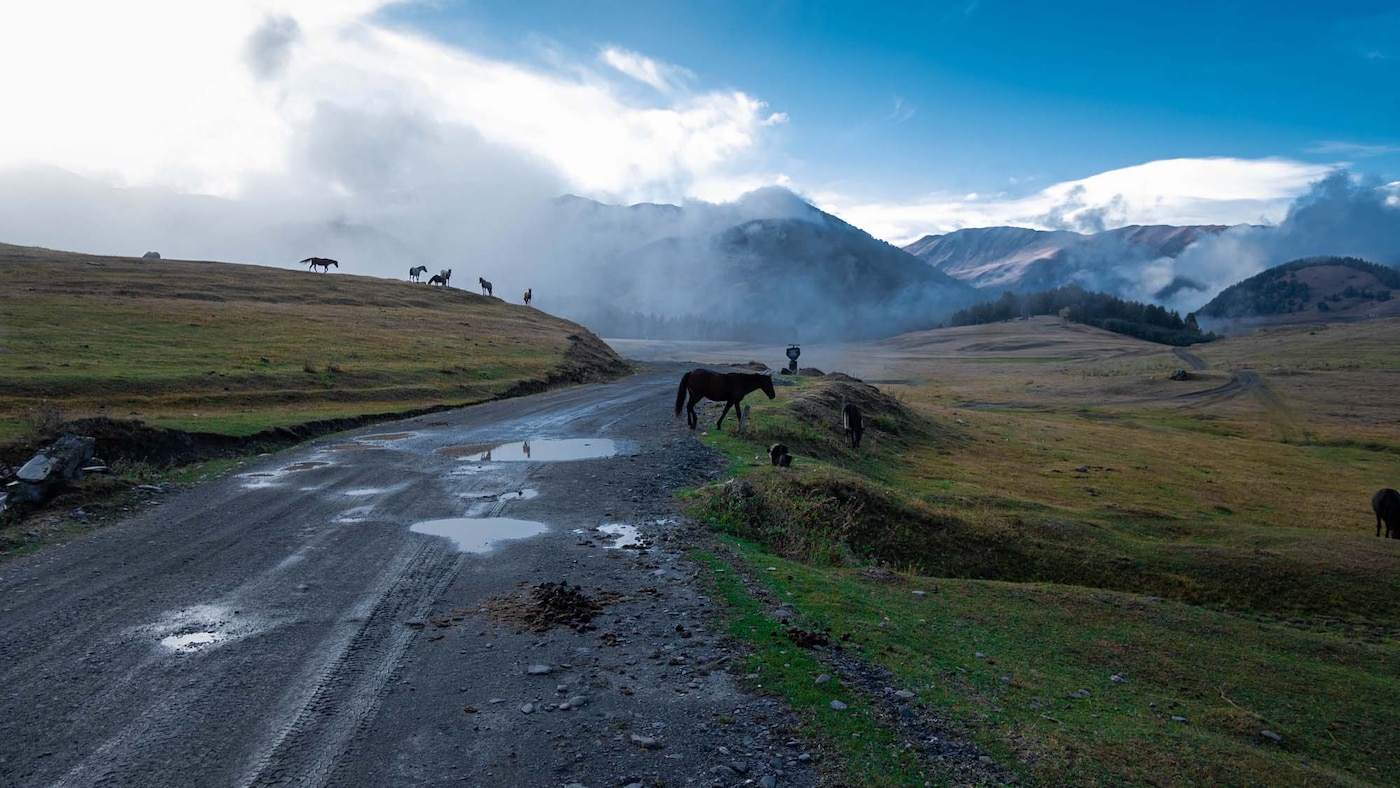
548 605
822 404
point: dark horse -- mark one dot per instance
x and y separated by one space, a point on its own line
528 295
726 387
485 286
324 262
1386 504
855 425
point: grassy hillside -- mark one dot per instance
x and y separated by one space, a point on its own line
1313 289
1124 578
233 349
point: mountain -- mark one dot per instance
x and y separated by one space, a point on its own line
802 275
1022 260
1312 289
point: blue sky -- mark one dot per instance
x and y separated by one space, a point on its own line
966 96
903 119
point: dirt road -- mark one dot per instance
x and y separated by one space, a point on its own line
288 624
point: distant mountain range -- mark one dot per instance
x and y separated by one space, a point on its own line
997 259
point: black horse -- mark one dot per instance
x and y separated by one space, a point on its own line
726 387
1386 504
324 262
855 426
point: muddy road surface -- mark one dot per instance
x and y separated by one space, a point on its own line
363 610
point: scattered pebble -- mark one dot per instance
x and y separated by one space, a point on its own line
905 694
1079 694
1178 719
646 742
527 708
838 705
1271 736
823 678
539 670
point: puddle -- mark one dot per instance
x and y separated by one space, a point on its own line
518 495
621 535
305 466
478 535
387 436
361 492
192 641
352 447
534 451
200 627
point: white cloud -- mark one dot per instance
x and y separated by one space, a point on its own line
662 76
215 98
1169 191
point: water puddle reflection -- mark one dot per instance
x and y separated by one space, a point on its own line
546 450
518 495
304 466
191 641
478 535
621 535
387 436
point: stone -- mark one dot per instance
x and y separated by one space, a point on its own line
823 678
646 742
905 694
768 781
539 670
1178 719
527 708
1271 736
838 705
52 468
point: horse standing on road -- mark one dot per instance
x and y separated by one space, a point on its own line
726 387
415 274
325 263
485 286
528 296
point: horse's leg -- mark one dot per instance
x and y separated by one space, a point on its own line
727 405
691 417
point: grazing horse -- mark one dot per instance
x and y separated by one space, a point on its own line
1386 504
855 426
324 262
485 286
437 279
726 387
446 275
528 295
415 274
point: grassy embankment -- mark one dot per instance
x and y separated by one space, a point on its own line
233 349
1082 521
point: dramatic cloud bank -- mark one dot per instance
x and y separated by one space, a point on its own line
1339 215
1171 191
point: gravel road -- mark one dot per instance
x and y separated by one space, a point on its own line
299 622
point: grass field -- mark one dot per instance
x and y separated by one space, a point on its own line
1073 515
233 349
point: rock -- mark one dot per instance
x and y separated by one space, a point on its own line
722 771
739 766
823 678
578 701
905 694
539 670
1178 719
1271 736
151 256
768 781
527 708
838 705
51 469
1079 694
646 742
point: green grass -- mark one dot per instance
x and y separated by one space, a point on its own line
1226 575
233 349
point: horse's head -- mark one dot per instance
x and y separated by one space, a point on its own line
767 386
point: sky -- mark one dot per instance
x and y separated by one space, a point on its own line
904 119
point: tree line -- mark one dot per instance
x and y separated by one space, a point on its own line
1144 321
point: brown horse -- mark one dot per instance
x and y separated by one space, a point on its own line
528 295
726 387
1386 504
324 262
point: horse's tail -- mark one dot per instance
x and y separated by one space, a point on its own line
680 395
